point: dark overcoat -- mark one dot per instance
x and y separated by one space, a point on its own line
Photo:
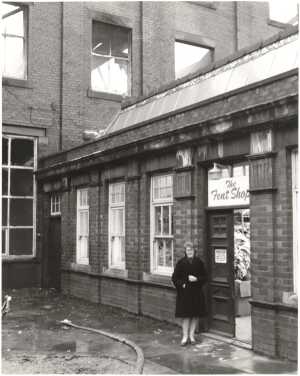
190 301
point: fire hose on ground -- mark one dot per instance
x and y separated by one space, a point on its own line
140 355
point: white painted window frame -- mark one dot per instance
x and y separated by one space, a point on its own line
295 195
9 167
113 206
55 204
155 202
82 208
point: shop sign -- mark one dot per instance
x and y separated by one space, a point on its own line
228 191
220 256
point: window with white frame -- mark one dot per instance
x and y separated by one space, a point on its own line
55 204
116 224
110 59
82 255
161 230
190 57
18 195
14 36
295 191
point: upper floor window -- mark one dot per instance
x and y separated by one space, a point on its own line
18 195
110 59
190 57
162 238
116 223
55 204
82 255
14 35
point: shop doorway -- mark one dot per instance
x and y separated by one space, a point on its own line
228 255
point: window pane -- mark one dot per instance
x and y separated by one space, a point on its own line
21 182
119 42
166 221
20 241
22 152
101 38
189 58
13 24
117 250
159 247
109 75
169 252
4 182
84 223
21 211
4 151
4 212
13 63
3 241
157 214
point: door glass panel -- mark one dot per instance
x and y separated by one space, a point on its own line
21 212
4 181
20 240
22 152
166 220
4 151
169 252
4 212
21 182
3 241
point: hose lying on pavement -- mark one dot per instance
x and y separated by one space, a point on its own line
140 355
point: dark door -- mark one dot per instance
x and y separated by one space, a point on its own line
221 282
54 253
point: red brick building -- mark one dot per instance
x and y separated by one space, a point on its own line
210 157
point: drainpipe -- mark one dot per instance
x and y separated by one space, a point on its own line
236 28
61 76
141 49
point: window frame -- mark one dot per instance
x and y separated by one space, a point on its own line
82 209
10 167
25 9
295 210
114 206
154 203
94 92
55 204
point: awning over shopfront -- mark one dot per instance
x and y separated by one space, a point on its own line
267 62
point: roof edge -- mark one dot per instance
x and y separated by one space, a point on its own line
290 30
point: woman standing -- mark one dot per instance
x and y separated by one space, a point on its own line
189 276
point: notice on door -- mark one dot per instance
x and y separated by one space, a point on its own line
228 191
220 256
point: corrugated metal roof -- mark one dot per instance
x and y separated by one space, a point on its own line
267 62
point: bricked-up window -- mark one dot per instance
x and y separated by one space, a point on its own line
55 204
14 35
110 59
162 224
82 255
18 195
116 223
190 57
295 192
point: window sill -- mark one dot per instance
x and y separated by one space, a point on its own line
118 273
16 83
280 25
158 279
106 96
9 259
80 267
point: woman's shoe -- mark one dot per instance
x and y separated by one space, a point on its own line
193 341
184 342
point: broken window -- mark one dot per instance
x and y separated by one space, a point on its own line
190 57
18 195
14 21
110 59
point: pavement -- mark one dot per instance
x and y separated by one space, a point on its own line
34 341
